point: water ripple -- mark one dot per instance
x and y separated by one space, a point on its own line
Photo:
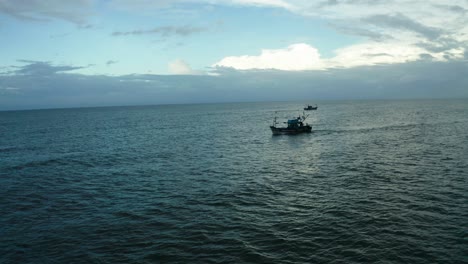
377 182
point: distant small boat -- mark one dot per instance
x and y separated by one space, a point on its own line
309 107
295 126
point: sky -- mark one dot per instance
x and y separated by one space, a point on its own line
81 53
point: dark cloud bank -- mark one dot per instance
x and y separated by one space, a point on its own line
42 85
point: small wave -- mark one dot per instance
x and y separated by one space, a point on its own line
51 162
7 149
130 215
35 164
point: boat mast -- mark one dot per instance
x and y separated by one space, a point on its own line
304 116
274 120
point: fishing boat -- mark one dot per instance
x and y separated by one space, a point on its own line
309 107
294 126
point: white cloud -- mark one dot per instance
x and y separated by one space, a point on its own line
396 31
293 58
141 5
374 53
299 57
271 3
423 18
180 67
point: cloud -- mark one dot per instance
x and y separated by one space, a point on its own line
165 31
374 53
141 5
428 23
300 57
407 22
268 3
9 90
453 8
416 79
42 68
180 67
295 57
393 31
402 22
419 26
412 27
144 5
76 11
361 32
110 62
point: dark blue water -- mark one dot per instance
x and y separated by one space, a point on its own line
376 182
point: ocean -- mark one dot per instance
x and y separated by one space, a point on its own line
375 182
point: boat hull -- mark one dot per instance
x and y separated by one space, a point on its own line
290 131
